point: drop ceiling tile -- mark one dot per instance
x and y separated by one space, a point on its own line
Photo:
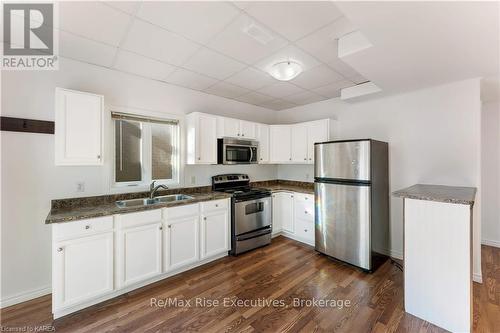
254 97
280 89
235 42
288 53
303 98
316 77
251 78
188 79
86 50
147 67
213 64
129 7
226 90
197 20
93 20
333 90
323 43
294 19
277 104
343 68
157 43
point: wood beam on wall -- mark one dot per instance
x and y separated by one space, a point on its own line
26 125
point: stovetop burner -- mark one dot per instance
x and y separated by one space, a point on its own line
238 185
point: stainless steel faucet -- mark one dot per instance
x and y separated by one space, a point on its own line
153 189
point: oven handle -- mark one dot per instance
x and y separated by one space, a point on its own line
263 198
251 154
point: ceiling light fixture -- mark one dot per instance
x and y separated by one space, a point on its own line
285 70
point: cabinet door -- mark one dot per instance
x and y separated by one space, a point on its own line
83 269
78 128
139 253
247 129
263 138
299 143
283 211
317 131
232 128
280 138
181 248
214 233
206 139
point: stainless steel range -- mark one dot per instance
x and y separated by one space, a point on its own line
250 212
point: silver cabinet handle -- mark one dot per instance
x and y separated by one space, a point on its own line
305 159
216 205
205 218
169 226
59 249
161 228
238 134
87 227
290 159
199 158
305 230
305 212
98 157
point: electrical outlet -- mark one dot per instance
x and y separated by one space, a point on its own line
193 180
80 187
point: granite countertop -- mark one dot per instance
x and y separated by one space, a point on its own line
67 214
440 193
74 209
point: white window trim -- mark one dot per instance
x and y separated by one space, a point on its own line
146 148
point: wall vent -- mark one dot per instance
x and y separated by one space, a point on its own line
258 33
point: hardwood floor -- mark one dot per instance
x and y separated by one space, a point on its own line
282 271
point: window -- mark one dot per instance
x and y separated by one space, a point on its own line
146 149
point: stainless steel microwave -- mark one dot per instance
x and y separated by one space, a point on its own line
237 151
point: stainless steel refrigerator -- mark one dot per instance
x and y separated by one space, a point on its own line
352 201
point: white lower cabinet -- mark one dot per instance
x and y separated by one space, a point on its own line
97 259
283 212
181 242
82 269
139 253
214 232
293 216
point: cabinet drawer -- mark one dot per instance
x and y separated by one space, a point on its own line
139 218
304 229
181 211
82 227
214 205
304 207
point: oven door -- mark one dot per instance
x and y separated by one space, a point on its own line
251 215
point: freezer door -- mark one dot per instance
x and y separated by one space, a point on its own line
343 160
342 222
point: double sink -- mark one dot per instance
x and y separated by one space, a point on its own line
152 201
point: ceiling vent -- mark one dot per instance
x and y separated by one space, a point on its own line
258 33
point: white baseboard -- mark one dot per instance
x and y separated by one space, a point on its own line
490 242
477 277
24 296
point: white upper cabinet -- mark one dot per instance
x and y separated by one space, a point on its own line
294 144
235 128
263 138
231 127
78 128
317 131
201 133
299 143
280 139
247 129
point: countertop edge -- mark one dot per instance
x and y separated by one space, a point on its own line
429 192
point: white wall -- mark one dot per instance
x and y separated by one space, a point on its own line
433 135
490 172
30 179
